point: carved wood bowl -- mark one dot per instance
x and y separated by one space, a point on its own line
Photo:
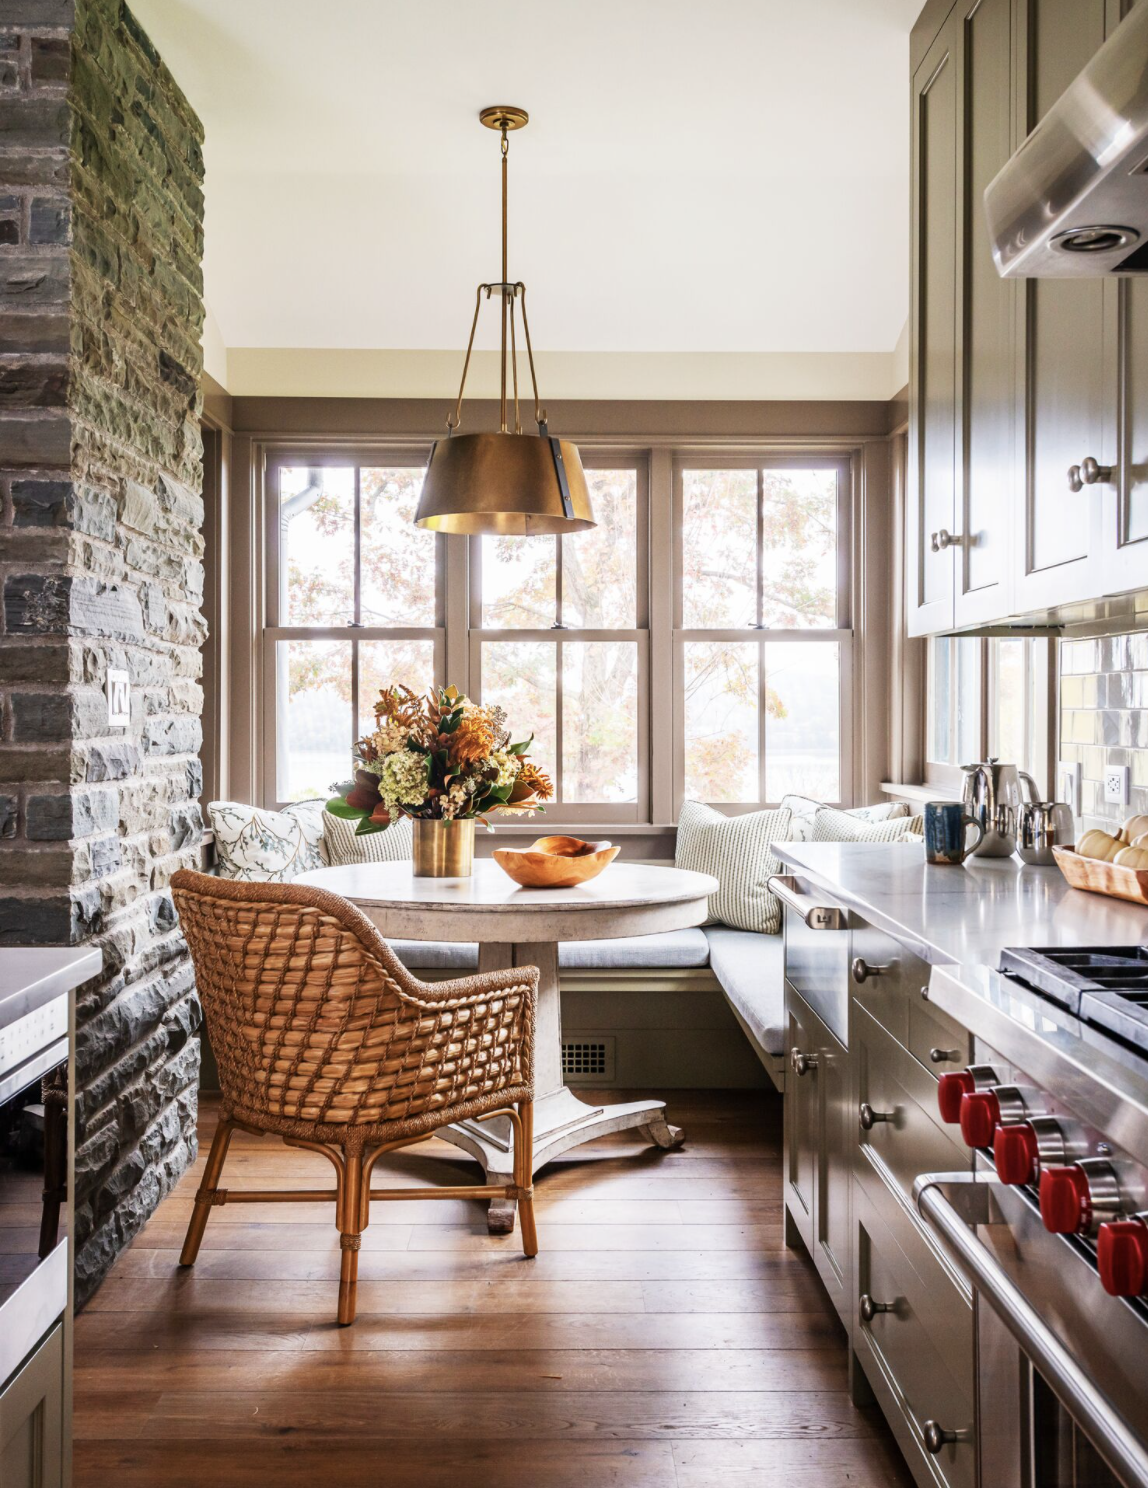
555 862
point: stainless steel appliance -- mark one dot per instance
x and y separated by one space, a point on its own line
1072 202
1051 1228
992 797
1041 826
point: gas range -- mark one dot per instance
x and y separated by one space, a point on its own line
1106 987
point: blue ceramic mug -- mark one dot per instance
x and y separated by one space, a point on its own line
946 832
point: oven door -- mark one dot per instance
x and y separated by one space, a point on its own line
1049 1415
33 1202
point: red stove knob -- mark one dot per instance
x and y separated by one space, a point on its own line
951 1090
980 1112
1065 1200
1122 1254
1016 1153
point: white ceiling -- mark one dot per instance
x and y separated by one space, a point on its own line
721 177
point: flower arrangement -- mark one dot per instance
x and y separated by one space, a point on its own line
438 757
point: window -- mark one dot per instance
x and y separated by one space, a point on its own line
559 639
354 603
987 698
763 638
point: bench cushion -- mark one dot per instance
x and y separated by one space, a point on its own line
751 970
673 948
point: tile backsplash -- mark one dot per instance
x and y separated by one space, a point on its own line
1104 719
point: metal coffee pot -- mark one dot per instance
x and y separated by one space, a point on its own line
992 798
1041 826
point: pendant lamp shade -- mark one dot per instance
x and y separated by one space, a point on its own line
518 485
510 483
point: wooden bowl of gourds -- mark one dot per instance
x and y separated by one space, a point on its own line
1106 863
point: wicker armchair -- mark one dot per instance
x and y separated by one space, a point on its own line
325 1039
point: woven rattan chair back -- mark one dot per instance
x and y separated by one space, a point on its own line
323 1037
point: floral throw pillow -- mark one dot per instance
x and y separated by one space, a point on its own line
267 846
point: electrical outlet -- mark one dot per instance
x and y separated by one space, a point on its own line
1069 775
1116 785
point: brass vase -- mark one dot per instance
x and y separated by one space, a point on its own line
443 849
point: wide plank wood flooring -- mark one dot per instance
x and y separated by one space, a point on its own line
662 1338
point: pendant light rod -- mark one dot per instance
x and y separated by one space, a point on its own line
505 272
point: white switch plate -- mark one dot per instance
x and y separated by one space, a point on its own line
1116 785
118 686
1068 776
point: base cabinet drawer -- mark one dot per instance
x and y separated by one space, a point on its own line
934 1039
921 1373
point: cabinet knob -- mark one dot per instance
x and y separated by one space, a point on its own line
861 971
1089 472
869 1118
939 541
934 1436
944 1056
868 1307
801 1063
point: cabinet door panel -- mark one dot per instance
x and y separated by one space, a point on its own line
986 456
1063 365
933 385
1126 541
801 1123
838 1126
31 1420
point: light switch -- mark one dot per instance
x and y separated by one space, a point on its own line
1068 776
119 690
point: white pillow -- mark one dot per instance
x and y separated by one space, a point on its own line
804 810
267 846
389 846
735 850
841 826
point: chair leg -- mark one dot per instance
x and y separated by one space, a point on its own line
207 1188
524 1176
350 1223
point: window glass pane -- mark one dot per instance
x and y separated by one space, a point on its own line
968 700
313 728
802 720
398 559
519 582
799 549
940 702
599 721
317 545
521 677
600 567
387 663
719 551
721 709
1010 702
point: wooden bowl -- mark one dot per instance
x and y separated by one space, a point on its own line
1099 877
555 862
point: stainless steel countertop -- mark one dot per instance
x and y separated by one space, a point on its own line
30 976
964 914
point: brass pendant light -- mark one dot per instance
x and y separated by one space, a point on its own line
510 483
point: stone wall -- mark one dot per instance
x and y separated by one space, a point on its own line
100 549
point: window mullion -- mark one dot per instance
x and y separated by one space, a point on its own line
559 723
357 619
762 702
760 564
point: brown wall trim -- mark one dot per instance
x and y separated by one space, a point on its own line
636 420
218 404
898 407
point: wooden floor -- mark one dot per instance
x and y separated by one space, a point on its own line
663 1337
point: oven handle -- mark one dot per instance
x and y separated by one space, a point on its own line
783 886
950 1215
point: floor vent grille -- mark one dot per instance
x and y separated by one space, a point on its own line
588 1057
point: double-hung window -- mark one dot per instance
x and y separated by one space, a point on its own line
559 639
763 636
354 601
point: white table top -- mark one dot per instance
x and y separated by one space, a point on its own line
625 899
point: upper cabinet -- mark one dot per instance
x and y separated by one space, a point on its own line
1019 390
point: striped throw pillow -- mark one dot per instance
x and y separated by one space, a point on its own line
831 825
388 846
735 850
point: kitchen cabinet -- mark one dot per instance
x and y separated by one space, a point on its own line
1012 383
818 1146
31 1420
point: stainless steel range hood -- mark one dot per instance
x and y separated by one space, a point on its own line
1073 201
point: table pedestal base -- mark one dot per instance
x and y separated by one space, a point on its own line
561 1121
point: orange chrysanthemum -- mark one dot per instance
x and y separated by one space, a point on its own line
533 781
473 740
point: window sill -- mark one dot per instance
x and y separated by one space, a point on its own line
918 793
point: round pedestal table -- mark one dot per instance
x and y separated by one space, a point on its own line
522 927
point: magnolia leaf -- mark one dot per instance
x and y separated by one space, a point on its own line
337 806
520 748
366 827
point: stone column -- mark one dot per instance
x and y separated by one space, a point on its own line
101 240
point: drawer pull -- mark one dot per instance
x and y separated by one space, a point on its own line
869 1118
869 1307
944 1056
934 1436
862 971
801 1063
783 886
